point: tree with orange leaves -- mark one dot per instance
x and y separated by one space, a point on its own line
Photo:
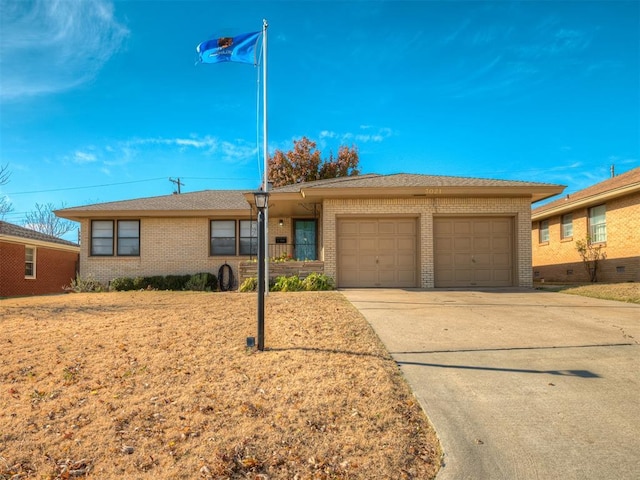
303 163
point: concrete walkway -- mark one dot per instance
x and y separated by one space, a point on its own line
519 384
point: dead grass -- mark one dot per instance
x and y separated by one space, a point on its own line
160 385
621 292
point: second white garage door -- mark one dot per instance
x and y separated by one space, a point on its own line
377 252
473 252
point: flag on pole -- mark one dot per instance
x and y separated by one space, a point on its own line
241 48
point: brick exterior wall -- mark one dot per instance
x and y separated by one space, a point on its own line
54 269
424 209
168 246
559 261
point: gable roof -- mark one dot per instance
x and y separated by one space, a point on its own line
9 231
417 185
620 185
205 202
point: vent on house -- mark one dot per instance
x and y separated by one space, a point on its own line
569 272
536 274
620 269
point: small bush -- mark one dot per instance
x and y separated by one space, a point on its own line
288 284
121 284
138 283
201 282
318 281
249 285
81 285
156 282
176 282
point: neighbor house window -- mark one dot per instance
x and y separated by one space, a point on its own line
102 237
248 237
29 262
129 238
544 231
223 237
566 230
597 224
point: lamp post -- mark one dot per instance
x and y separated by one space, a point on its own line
261 198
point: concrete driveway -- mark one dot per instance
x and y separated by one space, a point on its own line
519 384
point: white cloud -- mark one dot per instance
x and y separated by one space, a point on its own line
84 157
50 46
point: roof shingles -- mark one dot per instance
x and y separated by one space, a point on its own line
11 230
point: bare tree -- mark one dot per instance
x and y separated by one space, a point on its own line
43 220
5 204
4 174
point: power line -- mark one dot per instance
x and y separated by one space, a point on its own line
85 187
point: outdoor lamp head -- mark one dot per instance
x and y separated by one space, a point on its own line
261 199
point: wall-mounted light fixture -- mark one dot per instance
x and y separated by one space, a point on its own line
281 222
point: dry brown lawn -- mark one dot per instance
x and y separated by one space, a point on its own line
143 385
621 292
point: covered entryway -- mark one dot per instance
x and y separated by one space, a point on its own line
377 252
473 251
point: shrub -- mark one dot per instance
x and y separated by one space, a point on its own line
121 284
81 285
201 282
288 284
318 281
249 285
176 282
156 282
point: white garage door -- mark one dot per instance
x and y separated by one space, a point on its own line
473 252
377 252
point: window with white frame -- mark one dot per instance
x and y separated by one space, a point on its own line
129 238
597 224
248 237
223 237
29 262
544 231
566 227
102 237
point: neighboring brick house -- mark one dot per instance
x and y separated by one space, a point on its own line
607 214
365 231
32 263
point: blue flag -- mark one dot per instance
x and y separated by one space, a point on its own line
241 48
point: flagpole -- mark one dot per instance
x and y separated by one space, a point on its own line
265 151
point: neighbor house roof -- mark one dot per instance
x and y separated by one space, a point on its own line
15 233
206 202
618 186
404 184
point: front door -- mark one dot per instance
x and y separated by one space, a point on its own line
305 239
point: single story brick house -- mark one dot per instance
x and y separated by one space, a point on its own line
32 263
607 214
395 231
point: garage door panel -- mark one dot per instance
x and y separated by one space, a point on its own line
501 260
407 227
462 244
367 228
500 243
386 244
481 244
462 227
406 244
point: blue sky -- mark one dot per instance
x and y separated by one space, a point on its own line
102 100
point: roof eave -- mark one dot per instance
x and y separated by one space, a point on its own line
79 215
38 243
588 201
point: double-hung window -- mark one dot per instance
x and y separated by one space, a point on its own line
231 237
566 228
29 262
248 237
102 237
597 224
544 231
223 237
129 238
